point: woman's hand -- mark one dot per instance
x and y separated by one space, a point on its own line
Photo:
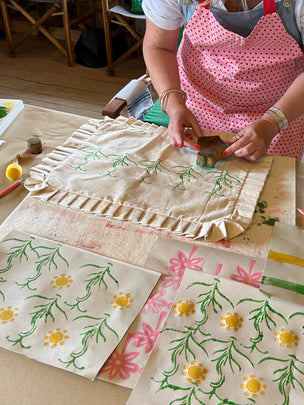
182 119
253 141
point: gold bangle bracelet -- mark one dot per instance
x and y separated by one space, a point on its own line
165 93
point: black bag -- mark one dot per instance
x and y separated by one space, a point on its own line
90 49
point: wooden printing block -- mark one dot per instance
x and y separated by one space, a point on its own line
210 151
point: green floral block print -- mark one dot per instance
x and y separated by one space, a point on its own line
225 343
65 306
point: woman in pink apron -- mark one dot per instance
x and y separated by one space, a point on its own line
239 72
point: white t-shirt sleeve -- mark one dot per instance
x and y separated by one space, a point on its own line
166 14
299 14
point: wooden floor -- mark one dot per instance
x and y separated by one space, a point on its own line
39 75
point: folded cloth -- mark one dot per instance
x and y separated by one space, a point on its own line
138 98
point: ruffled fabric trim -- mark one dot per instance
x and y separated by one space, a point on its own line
206 225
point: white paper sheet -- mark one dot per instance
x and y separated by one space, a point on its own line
225 343
65 306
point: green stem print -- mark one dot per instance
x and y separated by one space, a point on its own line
187 399
193 395
92 332
222 179
20 251
119 161
185 174
191 336
93 280
191 392
296 314
152 167
226 356
2 280
287 375
93 154
260 315
47 260
211 297
191 346
42 311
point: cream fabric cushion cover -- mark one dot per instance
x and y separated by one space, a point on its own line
127 169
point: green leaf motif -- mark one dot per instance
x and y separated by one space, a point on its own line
20 251
263 314
119 161
46 260
222 179
41 311
226 356
211 297
152 167
94 279
92 332
92 155
185 174
287 376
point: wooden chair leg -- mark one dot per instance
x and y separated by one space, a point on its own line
7 28
92 11
108 37
67 33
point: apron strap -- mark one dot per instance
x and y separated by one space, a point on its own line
269 6
206 5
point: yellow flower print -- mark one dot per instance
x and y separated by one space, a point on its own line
184 308
122 301
55 337
195 372
8 314
286 338
62 281
232 321
253 386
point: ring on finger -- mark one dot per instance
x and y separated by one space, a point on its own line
237 137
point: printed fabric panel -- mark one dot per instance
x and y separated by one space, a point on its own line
128 170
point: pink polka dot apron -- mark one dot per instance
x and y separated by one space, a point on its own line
231 80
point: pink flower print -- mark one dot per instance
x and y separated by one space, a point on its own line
121 364
155 303
178 266
148 337
248 278
219 268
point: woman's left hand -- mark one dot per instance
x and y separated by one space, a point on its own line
252 141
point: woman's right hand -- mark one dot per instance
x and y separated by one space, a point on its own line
182 119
